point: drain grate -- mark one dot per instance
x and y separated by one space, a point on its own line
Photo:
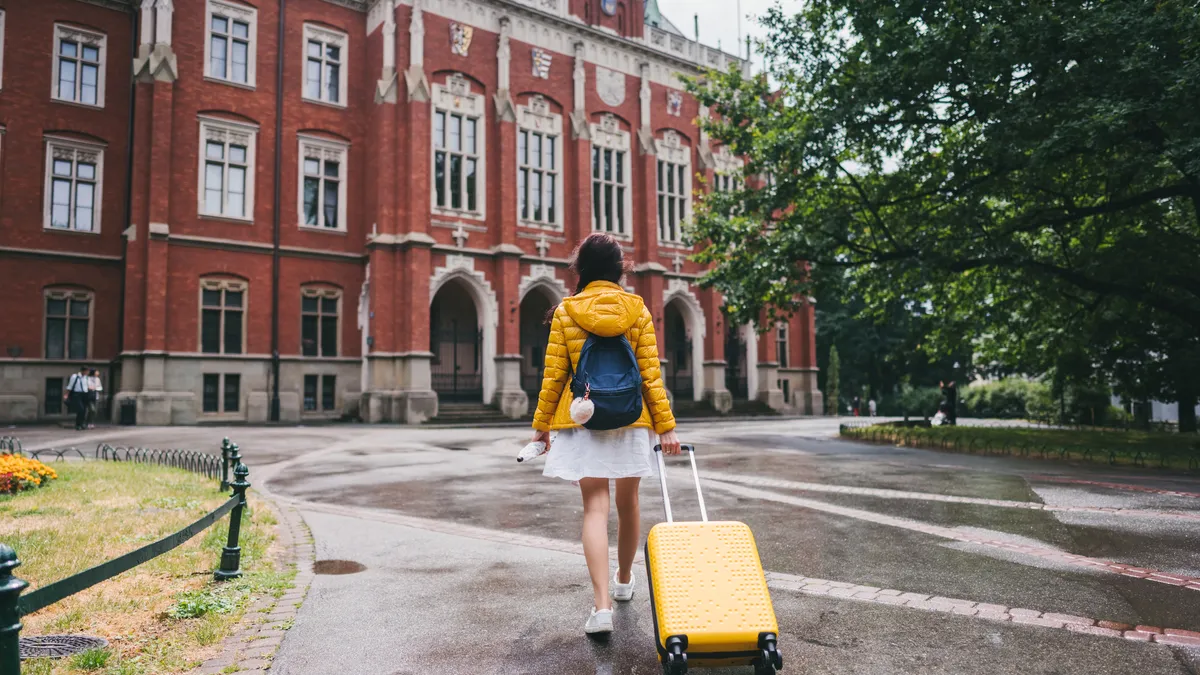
58 646
337 567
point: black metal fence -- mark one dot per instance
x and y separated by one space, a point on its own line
13 605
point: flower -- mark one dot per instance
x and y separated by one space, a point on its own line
22 473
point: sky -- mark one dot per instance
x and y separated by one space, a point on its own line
719 21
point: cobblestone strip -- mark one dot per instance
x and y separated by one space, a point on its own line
257 637
982 610
1114 486
925 496
1192 583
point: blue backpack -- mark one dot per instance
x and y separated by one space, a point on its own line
609 376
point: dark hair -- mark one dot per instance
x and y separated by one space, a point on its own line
92 372
83 369
598 258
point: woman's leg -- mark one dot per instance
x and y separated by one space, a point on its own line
629 522
595 536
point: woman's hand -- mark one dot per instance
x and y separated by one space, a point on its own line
670 443
543 436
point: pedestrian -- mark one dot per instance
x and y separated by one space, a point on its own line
76 396
93 397
601 307
857 405
949 404
871 407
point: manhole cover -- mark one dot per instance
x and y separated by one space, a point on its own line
57 646
337 567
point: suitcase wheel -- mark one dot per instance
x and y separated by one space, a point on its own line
769 659
675 662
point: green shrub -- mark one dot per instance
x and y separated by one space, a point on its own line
1005 399
911 401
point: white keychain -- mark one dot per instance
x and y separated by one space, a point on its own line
582 409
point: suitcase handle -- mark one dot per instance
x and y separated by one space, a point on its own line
662 480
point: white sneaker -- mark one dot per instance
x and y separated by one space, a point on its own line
601 621
622 592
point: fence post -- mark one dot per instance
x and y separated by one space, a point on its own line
231 556
224 464
10 619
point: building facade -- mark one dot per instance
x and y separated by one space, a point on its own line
311 209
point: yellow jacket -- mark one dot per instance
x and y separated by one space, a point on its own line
603 309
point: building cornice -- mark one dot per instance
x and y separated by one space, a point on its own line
624 54
47 254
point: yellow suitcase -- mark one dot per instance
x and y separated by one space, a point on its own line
708 593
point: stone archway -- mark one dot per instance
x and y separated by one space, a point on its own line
462 282
535 333
679 297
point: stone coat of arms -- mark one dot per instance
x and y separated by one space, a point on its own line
541 63
460 38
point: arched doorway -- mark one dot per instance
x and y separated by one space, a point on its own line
456 341
535 333
679 369
737 368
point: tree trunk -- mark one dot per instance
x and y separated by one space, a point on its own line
1187 413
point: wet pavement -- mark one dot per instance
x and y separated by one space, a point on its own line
472 562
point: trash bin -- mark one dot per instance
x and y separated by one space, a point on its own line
129 412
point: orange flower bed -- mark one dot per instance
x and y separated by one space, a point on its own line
21 473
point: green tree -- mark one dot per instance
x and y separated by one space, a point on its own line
1026 174
832 380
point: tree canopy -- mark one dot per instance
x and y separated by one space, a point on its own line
1023 176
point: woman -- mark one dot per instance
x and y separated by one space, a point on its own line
592 458
93 396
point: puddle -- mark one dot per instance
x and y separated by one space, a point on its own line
337 567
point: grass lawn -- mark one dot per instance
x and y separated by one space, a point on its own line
164 616
1173 451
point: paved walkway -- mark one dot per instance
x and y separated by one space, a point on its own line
880 560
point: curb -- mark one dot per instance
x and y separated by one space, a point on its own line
258 635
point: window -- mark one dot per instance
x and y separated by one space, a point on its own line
227 168
322 183
611 200
68 324
222 312
781 344
230 50
78 66
53 404
222 392
674 187
328 392
73 181
458 143
324 65
319 310
539 165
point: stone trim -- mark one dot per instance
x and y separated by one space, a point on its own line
63 255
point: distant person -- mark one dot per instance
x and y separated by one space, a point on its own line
949 401
857 405
76 396
93 397
871 407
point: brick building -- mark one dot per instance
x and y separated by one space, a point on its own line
307 209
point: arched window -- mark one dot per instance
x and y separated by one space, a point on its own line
320 310
222 316
68 323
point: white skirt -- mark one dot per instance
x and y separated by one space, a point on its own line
619 453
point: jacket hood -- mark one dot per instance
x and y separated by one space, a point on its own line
604 309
